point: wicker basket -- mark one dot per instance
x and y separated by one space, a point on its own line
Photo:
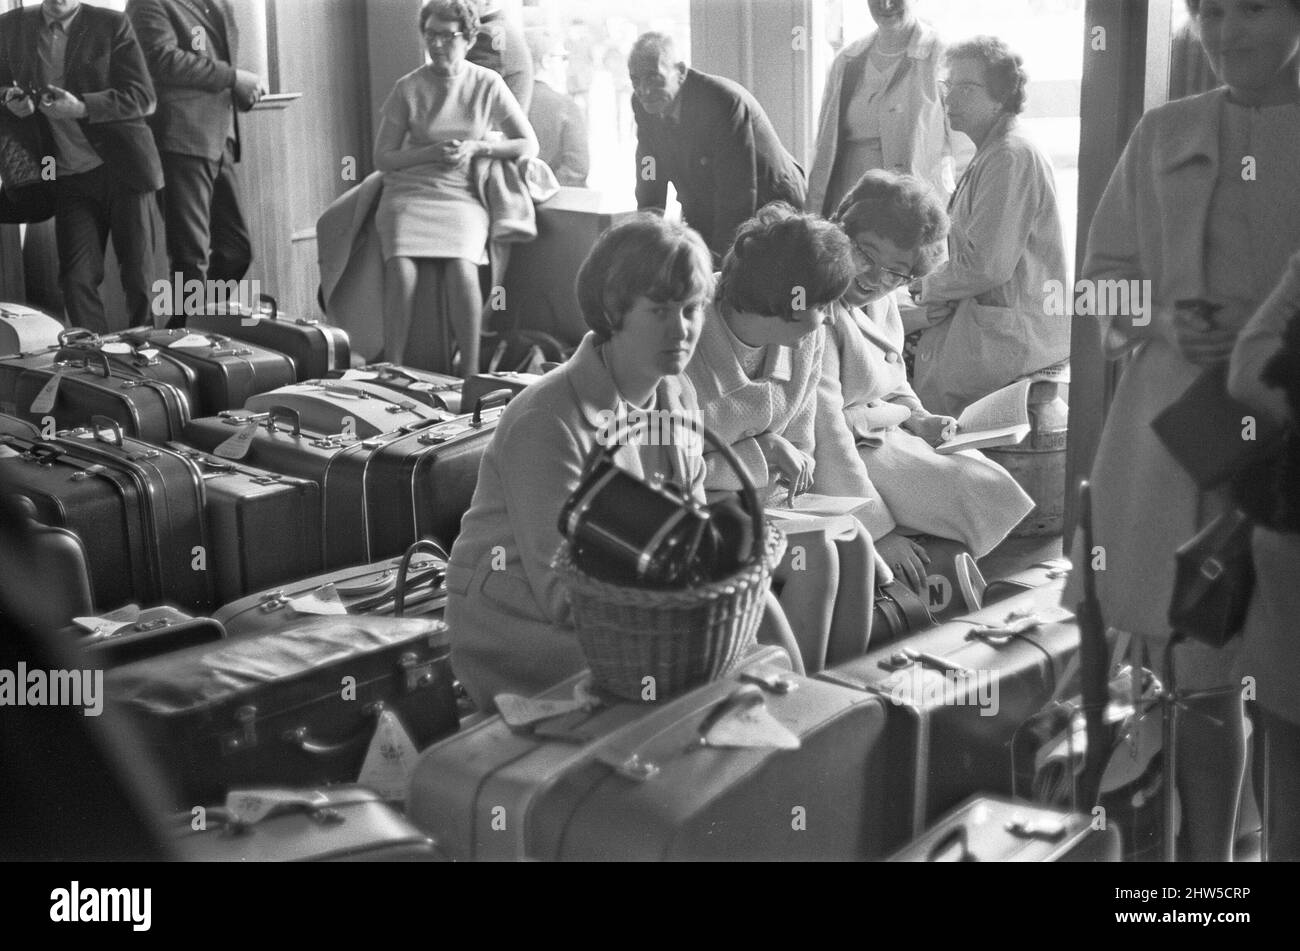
680 637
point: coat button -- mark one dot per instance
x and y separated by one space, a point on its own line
891 357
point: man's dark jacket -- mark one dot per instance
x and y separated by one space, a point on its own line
723 157
105 69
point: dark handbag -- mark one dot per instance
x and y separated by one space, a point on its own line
1213 581
25 195
1202 429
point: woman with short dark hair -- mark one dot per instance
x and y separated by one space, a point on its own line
986 306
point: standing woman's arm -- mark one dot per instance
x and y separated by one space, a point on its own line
1259 341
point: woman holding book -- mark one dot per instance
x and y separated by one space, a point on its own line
874 437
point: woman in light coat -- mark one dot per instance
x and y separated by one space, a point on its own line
989 325
873 434
756 374
1180 214
882 108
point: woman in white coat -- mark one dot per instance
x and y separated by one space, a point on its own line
873 434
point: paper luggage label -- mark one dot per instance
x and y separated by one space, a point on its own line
324 600
118 347
519 712
48 396
753 727
359 375
106 625
191 340
237 446
247 806
390 758
9 452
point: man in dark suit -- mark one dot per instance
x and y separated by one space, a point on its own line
191 47
711 139
78 72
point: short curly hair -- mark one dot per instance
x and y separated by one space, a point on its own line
1004 70
464 12
643 255
784 263
899 207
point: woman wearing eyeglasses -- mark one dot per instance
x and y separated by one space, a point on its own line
989 325
874 436
433 229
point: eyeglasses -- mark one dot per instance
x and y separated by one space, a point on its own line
948 88
897 277
443 39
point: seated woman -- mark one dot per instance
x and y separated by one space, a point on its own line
874 436
433 229
756 376
642 292
988 323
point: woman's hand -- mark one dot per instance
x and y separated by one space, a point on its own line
1200 336
455 152
936 312
905 558
790 463
933 429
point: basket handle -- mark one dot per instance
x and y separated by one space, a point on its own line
610 445
399 592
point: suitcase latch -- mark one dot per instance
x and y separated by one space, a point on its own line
245 733
1050 830
403 407
82 474
415 674
269 479
433 439
272 601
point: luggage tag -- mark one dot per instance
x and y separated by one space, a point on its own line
521 712
390 759
237 446
118 347
742 721
9 452
48 396
197 341
248 806
323 601
106 625
359 375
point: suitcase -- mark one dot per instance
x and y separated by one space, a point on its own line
333 824
421 484
316 348
154 631
481 384
940 686
424 386
296 706
130 356
137 508
54 558
989 829
353 407
13 426
226 372
362 589
24 330
629 781
265 527
88 385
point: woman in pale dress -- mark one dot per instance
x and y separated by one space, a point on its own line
873 434
1204 204
432 227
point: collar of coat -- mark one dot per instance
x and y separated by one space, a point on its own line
594 389
1192 129
924 40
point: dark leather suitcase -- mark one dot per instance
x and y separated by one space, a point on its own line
226 372
421 485
316 348
353 407
333 824
424 386
133 357
362 589
628 781
137 508
88 385
296 706
111 642
956 701
13 426
989 829
265 527
56 556
481 384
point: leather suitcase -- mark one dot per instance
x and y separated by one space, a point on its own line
226 372
334 824
628 781
316 348
481 384
154 631
362 589
89 385
130 356
424 386
24 330
53 555
137 508
13 426
940 686
265 528
989 829
354 407
421 485
296 706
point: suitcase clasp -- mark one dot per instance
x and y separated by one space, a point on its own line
272 601
415 674
245 734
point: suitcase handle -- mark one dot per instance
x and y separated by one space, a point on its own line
955 836
287 411
96 356
300 737
78 337
487 401
426 545
100 423
274 312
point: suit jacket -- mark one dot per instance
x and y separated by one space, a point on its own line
723 156
105 69
194 78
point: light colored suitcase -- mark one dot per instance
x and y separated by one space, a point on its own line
352 407
24 330
629 781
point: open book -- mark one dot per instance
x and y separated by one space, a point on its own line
999 419
814 513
